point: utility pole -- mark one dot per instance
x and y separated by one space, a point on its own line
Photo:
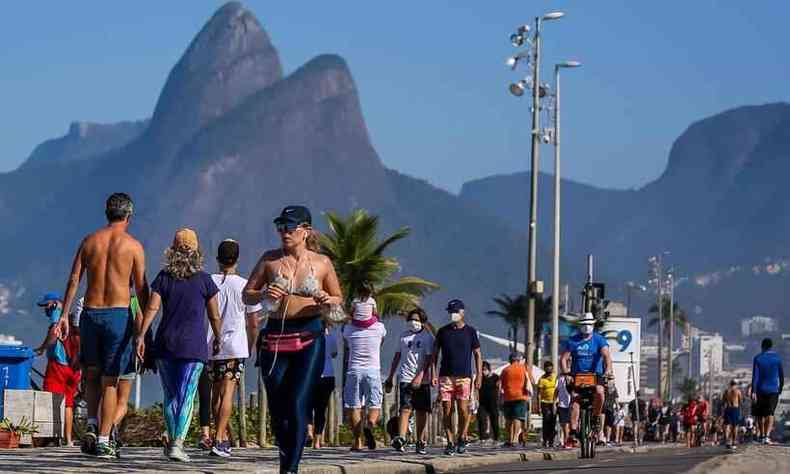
660 329
671 330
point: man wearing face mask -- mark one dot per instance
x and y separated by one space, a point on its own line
457 342
587 352
413 360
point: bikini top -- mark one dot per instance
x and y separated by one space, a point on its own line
307 289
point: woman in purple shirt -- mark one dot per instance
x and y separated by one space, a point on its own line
186 294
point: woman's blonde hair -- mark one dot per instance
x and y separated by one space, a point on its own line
181 263
313 241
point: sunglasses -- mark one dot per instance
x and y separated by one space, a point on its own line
288 228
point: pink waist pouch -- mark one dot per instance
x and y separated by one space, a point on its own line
293 342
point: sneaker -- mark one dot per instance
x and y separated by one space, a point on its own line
768 441
205 443
177 453
370 440
398 444
461 448
449 450
89 440
106 450
421 448
221 449
115 435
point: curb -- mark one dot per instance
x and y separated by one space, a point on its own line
451 464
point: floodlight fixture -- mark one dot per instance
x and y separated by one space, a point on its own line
553 16
569 64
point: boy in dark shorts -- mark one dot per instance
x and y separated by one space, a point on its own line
414 362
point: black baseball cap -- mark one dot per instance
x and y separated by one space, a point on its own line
228 252
294 216
453 306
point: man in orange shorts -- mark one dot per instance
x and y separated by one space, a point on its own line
63 372
457 342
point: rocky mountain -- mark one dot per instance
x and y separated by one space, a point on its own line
230 142
721 203
85 140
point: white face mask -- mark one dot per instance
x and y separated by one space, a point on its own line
415 326
455 317
586 329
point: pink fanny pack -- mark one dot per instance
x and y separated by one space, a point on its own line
293 342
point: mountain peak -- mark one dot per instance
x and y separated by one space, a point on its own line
231 58
714 150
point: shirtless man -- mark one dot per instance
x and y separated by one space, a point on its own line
110 257
732 414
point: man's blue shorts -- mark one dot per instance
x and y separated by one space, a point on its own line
106 340
732 416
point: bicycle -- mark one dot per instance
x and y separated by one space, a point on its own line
585 386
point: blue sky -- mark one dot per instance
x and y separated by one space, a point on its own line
431 75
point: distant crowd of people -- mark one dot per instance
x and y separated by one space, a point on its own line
211 325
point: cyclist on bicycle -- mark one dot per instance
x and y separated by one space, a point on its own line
585 354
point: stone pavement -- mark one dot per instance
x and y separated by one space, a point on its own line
264 461
749 459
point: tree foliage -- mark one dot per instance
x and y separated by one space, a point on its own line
359 258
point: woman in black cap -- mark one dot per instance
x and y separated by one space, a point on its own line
298 286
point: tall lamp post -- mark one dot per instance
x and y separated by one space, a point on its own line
657 275
555 300
518 89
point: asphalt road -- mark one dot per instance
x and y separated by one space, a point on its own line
674 461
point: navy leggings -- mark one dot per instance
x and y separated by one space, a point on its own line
289 387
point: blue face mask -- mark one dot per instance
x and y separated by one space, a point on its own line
54 313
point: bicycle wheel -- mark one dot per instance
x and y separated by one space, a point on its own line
584 434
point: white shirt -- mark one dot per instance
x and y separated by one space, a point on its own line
364 346
234 318
415 349
330 353
563 397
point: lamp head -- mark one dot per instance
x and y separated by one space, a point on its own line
569 64
518 88
553 16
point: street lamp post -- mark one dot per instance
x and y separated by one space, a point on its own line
518 89
555 300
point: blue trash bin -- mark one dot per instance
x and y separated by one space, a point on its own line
15 365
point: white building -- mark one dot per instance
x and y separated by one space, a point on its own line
757 325
707 355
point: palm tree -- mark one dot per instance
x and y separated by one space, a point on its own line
688 388
679 315
358 256
513 310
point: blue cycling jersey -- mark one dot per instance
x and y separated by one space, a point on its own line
586 353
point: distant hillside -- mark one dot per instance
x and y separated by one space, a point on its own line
721 202
85 140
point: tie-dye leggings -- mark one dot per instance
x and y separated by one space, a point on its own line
179 382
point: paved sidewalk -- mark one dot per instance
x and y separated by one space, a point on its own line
749 459
264 461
